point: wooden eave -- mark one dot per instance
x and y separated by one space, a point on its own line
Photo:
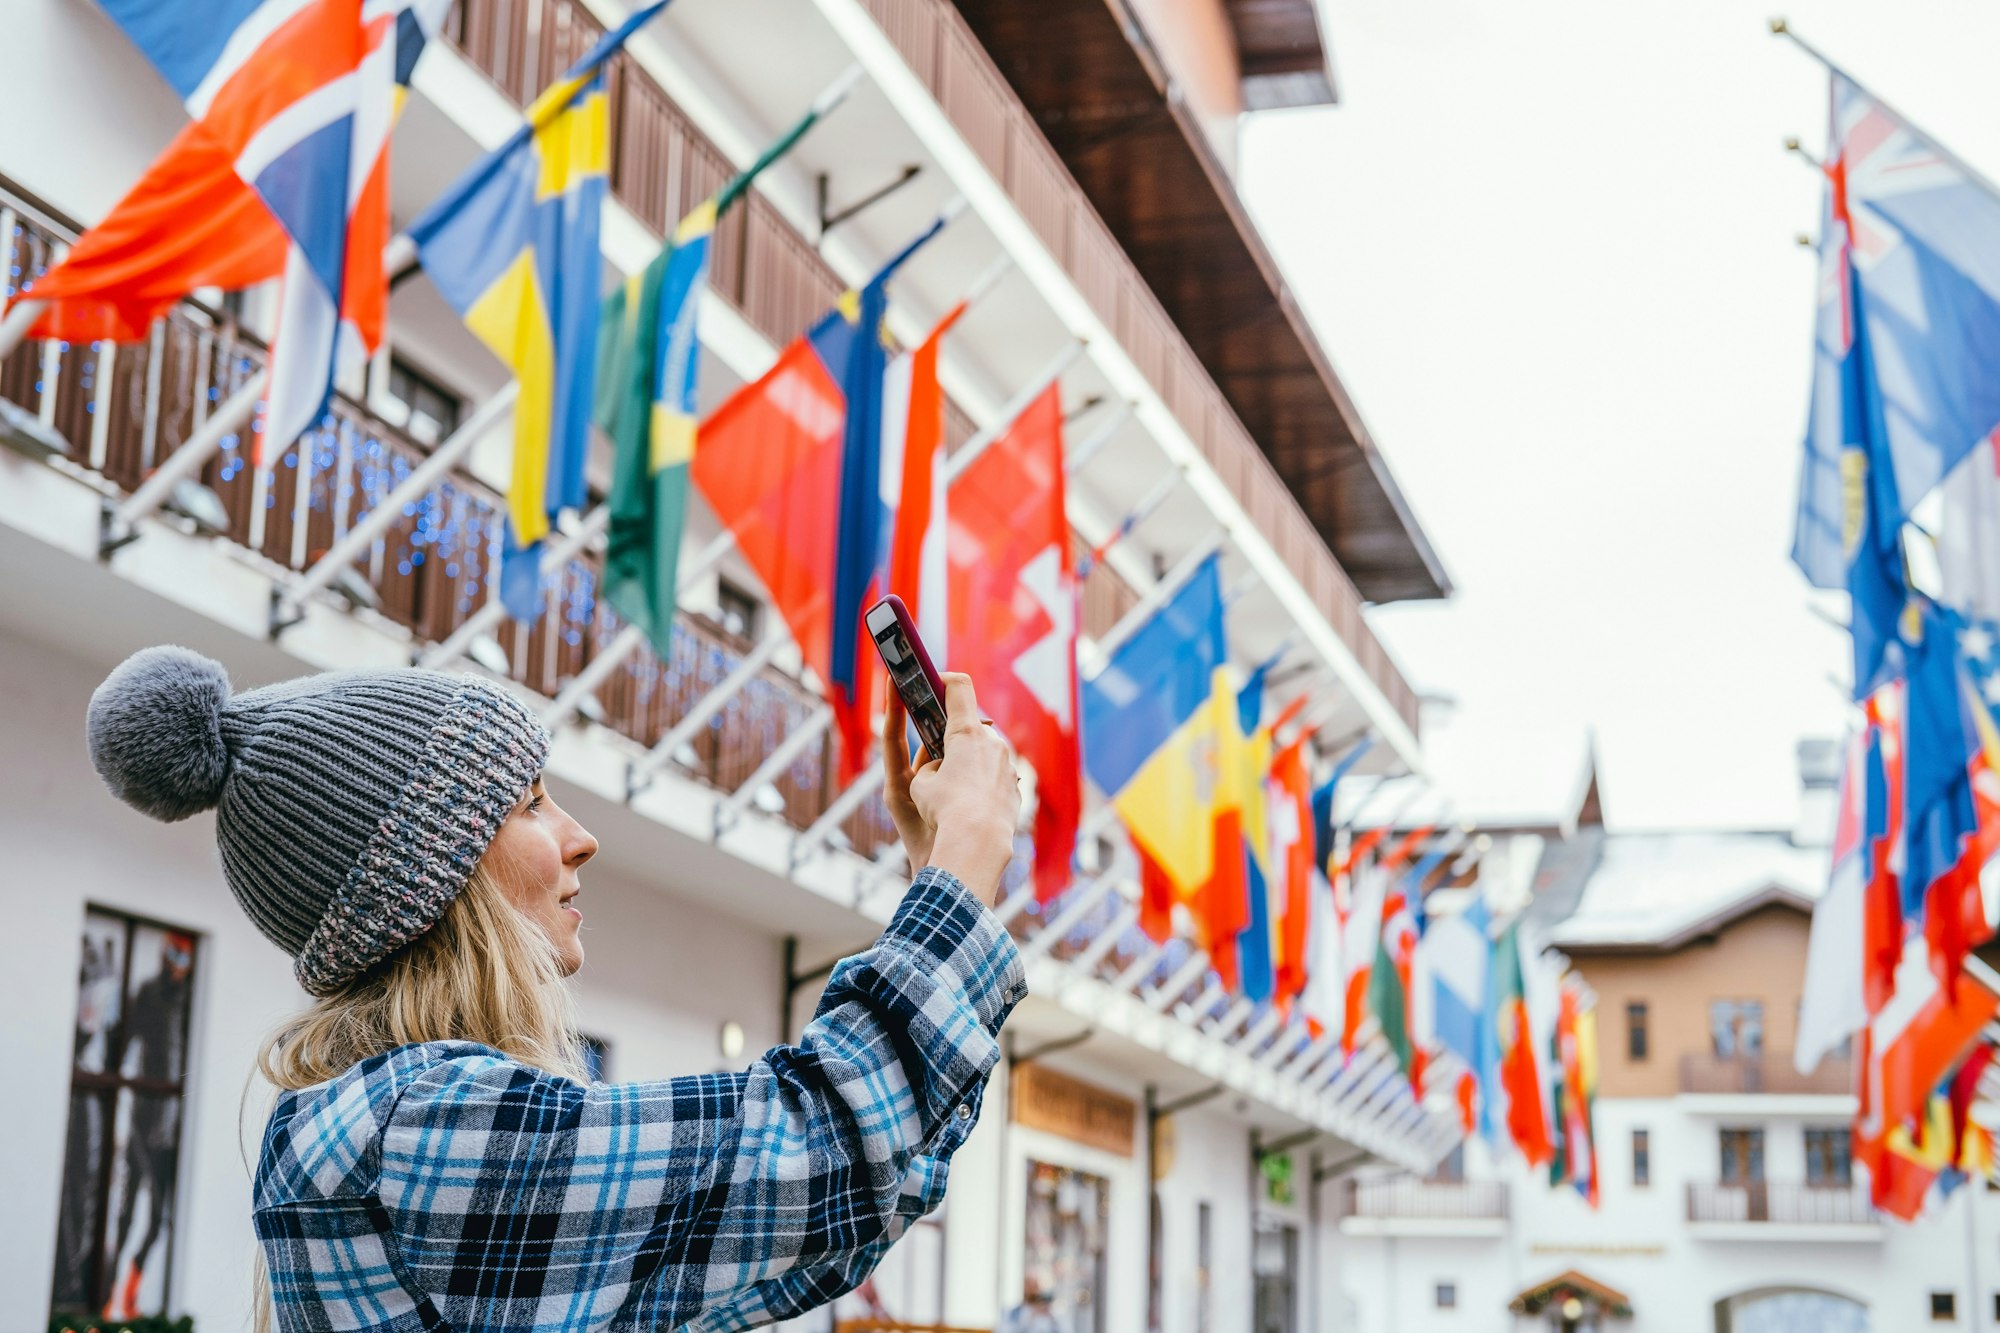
1098 91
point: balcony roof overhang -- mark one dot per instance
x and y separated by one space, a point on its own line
1280 54
1102 96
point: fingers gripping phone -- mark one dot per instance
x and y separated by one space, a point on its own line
910 669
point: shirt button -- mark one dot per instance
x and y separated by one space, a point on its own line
964 1111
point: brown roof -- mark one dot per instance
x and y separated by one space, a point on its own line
1101 95
1539 1297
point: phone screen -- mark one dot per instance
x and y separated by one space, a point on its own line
907 672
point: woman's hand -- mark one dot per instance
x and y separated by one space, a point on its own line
897 771
968 804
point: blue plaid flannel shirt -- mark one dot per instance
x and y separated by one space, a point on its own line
445 1186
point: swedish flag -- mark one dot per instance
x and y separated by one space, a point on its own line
513 246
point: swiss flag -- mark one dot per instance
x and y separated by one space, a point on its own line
1013 616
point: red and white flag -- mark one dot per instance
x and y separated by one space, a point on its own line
914 483
1013 605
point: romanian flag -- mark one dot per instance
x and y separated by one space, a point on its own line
1156 722
647 362
513 247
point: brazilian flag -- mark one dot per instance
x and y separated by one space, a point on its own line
647 357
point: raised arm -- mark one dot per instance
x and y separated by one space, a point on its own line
654 1202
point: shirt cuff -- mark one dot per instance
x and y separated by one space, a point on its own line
961 942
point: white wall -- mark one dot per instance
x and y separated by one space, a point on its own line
1640 1243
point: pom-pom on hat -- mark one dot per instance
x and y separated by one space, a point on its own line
351 806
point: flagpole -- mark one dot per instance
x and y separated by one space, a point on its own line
288 600
1003 420
1780 28
1080 456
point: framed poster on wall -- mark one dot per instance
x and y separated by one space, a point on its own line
128 1078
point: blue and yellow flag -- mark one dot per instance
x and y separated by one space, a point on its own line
1162 740
513 246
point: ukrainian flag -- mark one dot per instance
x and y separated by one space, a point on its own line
513 247
1162 739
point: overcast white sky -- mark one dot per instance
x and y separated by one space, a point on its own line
1549 246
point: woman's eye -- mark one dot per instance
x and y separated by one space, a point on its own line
534 804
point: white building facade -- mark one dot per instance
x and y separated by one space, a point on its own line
1729 1200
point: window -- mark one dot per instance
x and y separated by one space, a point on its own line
1204 1253
1829 1159
433 409
115 1227
1635 1032
1450 1169
1068 1218
1736 1027
737 611
1642 1159
1944 1307
1742 1156
1447 1296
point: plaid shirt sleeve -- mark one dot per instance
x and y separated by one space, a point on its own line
519 1200
800 1290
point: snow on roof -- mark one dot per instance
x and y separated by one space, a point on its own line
1649 887
1495 776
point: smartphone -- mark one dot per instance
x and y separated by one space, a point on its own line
910 669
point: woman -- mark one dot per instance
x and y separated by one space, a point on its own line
437 1159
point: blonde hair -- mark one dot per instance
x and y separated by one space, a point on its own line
484 973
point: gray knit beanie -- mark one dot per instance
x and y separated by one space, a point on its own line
351 806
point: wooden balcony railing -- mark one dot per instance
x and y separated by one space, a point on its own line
126 409
661 167
1766 1072
1431 1200
1786 1202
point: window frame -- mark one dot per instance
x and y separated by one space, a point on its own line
408 407
109 1085
1944 1307
1642 1158
1737 1009
1444 1296
1638 1032
1754 1163
1824 1168
728 591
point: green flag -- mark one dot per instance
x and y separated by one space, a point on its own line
1390 1004
647 359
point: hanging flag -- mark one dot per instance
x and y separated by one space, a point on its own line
1904 1160
1919 236
282 174
513 248
1576 1053
1247 838
1882 927
1389 986
1917 1038
1012 604
1457 950
1289 812
914 487
1522 1081
858 550
1150 734
1360 941
648 355
1833 1005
